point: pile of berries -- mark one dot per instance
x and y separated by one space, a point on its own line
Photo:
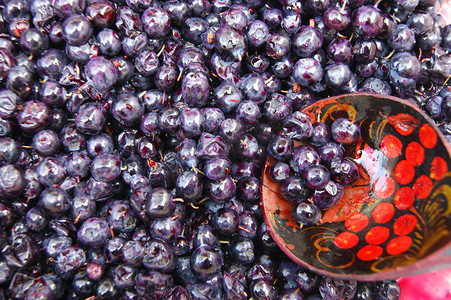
314 174
133 135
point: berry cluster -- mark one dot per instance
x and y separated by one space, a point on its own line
133 135
314 174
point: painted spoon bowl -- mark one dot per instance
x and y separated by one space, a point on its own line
396 220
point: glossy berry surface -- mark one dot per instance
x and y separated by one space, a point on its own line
305 213
77 30
101 73
345 132
93 232
316 177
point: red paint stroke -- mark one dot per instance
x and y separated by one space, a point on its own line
370 252
399 245
404 198
405 224
403 123
383 212
377 235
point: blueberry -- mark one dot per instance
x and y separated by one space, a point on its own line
402 38
156 22
53 94
83 207
231 129
195 89
127 109
99 144
106 167
106 289
77 30
93 232
227 97
337 18
177 11
34 116
247 224
305 213
191 122
263 289
248 112
344 131
294 188
46 142
307 281
329 196
109 42
55 201
307 71
272 17
344 171
376 86
337 288
135 44
225 221
10 150
124 276
50 171
246 147
279 171
101 13
385 290
146 63
159 256
404 70
248 189
51 64
277 46
337 75
281 148
316 177
34 42
66 8
291 23
193 29
213 117
364 291
101 73
257 33
307 40
242 250
276 109
221 191
69 260
160 204
133 253
365 50
211 146
189 186
8 104
165 78
91 118
121 218
127 21
298 126
166 229
303 157
205 262
230 43
367 21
